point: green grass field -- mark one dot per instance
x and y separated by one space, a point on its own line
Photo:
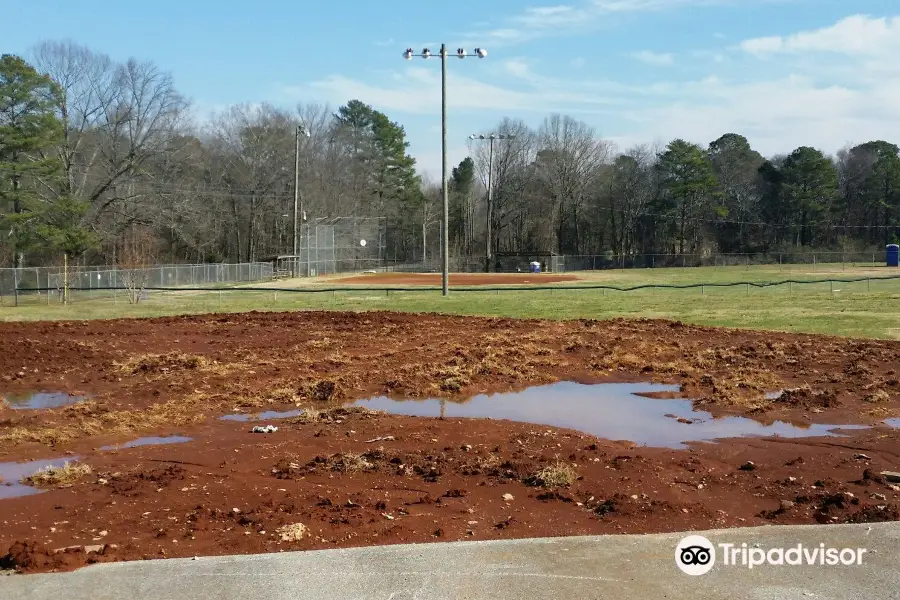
861 309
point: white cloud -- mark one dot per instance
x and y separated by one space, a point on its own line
417 90
517 67
779 105
564 19
857 35
654 58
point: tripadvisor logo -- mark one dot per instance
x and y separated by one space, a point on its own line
696 555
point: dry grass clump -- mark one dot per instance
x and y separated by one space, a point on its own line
559 474
163 363
174 362
91 419
282 394
878 397
321 344
882 412
334 415
349 463
324 390
292 533
68 473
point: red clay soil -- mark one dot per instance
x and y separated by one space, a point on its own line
434 279
354 478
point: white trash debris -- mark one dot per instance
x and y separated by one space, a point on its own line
265 429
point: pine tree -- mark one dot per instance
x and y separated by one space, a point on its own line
29 127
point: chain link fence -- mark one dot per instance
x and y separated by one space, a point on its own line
52 279
337 245
651 261
561 263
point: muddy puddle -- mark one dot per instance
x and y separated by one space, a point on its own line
11 473
609 411
263 416
149 441
39 400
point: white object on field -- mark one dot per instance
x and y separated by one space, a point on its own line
362 242
265 429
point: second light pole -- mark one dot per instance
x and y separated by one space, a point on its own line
298 208
445 237
490 189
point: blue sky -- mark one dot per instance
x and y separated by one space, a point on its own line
782 72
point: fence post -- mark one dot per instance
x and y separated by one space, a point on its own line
748 289
868 285
702 290
831 283
790 287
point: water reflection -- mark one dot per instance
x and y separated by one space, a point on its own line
11 473
149 441
36 400
610 411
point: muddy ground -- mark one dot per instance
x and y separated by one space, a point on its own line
351 477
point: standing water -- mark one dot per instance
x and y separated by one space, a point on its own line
611 411
11 474
35 400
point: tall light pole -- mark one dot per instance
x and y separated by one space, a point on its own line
301 130
445 237
490 203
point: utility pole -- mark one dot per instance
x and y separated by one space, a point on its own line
445 188
445 193
490 191
490 205
298 207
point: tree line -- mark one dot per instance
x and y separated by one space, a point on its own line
102 160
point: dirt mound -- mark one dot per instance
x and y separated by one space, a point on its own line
33 557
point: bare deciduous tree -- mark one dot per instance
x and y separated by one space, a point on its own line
137 255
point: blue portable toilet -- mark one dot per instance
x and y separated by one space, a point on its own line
893 255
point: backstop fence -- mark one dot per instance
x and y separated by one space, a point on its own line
337 245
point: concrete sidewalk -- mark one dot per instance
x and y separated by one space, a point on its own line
613 567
